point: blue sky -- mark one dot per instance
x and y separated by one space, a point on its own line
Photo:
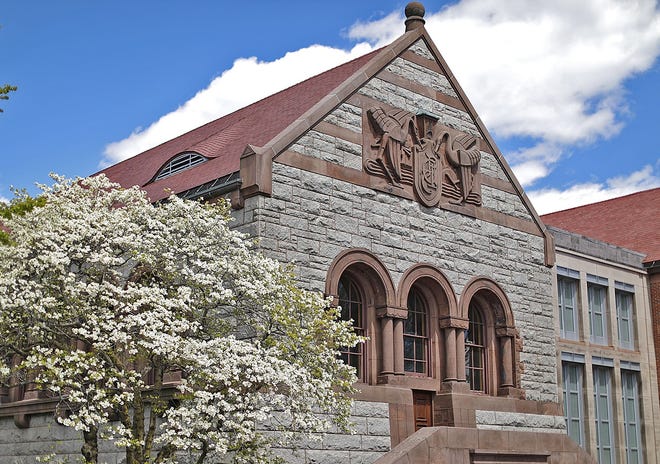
569 90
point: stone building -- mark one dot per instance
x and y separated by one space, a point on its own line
381 183
607 287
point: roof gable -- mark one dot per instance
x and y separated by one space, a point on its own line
350 91
249 139
224 140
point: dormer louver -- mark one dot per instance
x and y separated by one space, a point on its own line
180 162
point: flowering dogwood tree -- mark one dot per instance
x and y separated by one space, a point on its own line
160 328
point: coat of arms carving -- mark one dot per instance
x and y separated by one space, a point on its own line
416 152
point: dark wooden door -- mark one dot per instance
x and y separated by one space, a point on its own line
423 409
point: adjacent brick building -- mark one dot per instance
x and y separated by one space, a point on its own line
608 308
380 182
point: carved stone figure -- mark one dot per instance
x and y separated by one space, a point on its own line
395 144
439 163
461 184
428 171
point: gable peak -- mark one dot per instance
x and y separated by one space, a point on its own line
414 15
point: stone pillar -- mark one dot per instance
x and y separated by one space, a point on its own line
460 358
506 337
507 363
454 347
387 348
398 346
391 347
450 355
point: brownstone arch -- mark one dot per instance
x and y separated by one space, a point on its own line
484 300
374 295
430 284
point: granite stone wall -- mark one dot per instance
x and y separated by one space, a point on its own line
46 436
311 218
367 441
370 440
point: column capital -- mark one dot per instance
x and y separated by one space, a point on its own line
394 312
454 322
506 331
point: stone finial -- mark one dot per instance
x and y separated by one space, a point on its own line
414 15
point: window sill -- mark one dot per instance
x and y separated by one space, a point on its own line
410 381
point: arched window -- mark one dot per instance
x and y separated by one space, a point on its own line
352 308
179 163
415 335
475 351
491 355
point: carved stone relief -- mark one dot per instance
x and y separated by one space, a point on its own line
417 153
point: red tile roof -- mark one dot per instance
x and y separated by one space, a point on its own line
223 140
631 221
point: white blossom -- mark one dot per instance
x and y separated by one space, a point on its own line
103 296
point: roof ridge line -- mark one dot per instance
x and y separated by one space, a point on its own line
244 108
602 201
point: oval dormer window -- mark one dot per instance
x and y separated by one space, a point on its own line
179 163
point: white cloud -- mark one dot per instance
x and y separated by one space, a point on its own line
4 200
550 200
380 32
532 164
247 81
550 71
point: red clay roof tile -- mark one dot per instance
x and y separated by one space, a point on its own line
631 221
224 139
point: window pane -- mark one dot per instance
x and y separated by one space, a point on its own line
598 313
631 416
567 307
415 338
475 350
573 403
624 310
603 401
420 350
408 348
350 300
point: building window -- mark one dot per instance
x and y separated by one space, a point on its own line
624 317
352 308
568 313
603 415
573 401
415 335
631 418
179 163
597 295
475 351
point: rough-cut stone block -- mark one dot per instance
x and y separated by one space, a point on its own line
369 409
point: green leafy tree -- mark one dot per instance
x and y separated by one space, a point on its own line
22 203
160 328
4 92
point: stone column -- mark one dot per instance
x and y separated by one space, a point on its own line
391 334
454 378
460 358
387 335
507 363
398 346
507 381
450 355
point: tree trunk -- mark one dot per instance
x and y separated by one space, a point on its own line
90 449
